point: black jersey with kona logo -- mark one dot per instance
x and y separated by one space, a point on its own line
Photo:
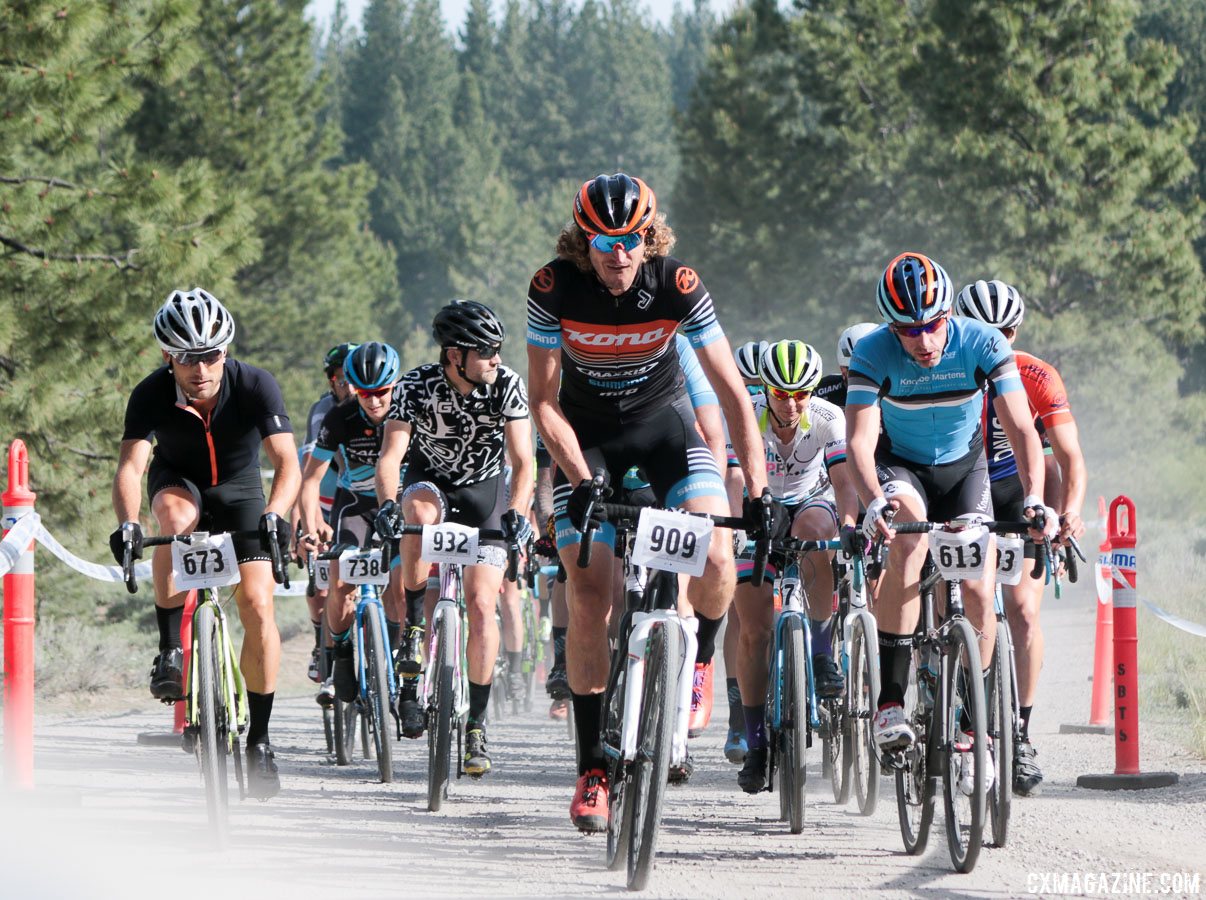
618 357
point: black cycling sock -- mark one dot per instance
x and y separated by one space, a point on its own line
317 632
515 660
894 656
736 716
755 725
822 636
1024 715
393 633
259 711
706 648
169 621
479 699
588 712
559 646
414 606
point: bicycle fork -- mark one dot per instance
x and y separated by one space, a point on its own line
642 625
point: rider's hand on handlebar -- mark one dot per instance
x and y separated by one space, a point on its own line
271 523
874 523
388 523
1072 526
1046 522
129 531
579 499
517 528
852 540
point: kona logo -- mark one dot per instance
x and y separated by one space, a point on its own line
686 280
543 280
605 339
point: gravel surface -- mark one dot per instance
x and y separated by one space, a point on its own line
113 818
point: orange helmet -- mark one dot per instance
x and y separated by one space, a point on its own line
614 204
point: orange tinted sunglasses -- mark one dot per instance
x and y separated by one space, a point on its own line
780 394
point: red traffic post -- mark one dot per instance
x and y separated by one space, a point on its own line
1124 559
19 630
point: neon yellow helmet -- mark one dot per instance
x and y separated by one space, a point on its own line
790 366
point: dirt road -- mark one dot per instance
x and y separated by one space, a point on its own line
112 818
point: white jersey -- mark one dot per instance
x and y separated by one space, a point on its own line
799 468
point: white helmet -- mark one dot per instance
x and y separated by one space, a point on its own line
194 320
991 302
747 357
850 337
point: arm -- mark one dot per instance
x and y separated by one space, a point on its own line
1065 444
711 427
862 436
1013 412
519 450
544 380
307 501
127 483
845 494
395 440
717 361
544 495
282 453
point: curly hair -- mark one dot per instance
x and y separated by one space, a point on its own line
573 245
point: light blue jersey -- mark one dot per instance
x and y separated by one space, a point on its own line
932 416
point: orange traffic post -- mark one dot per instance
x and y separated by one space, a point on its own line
1100 721
19 630
1124 558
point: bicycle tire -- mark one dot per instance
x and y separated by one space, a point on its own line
328 728
619 799
915 784
794 731
1000 727
652 764
862 692
367 750
344 721
439 722
211 720
376 662
963 687
837 751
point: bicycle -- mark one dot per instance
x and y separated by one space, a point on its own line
216 710
945 697
848 735
318 578
446 680
377 692
647 702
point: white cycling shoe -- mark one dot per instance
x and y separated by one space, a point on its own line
892 729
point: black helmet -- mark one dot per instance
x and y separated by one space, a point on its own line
614 204
371 366
335 357
467 324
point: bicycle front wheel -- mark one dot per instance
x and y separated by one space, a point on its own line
211 719
965 737
862 693
376 662
1000 728
794 730
439 715
915 784
344 726
654 737
838 752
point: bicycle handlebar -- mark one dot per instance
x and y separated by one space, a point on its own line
280 572
598 485
488 534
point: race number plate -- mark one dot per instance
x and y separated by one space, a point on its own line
1010 559
322 574
450 543
672 541
960 555
362 567
207 561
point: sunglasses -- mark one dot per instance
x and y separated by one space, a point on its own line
374 392
488 351
918 330
780 394
605 243
188 358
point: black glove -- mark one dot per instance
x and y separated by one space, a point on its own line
579 497
272 523
752 510
545 547
852 541
388 523
129 531
517 528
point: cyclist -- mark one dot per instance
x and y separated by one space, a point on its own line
338 391
748 357
1000 305
923 373
208 416
351 432
607 392
833 387
457 417
805 446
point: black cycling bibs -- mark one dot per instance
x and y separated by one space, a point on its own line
618 359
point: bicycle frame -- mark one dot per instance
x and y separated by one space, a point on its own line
451 606
368 602
791 592
233 688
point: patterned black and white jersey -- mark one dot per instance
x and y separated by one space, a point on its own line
459 437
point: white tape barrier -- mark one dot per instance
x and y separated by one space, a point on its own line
1175 621
30 527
